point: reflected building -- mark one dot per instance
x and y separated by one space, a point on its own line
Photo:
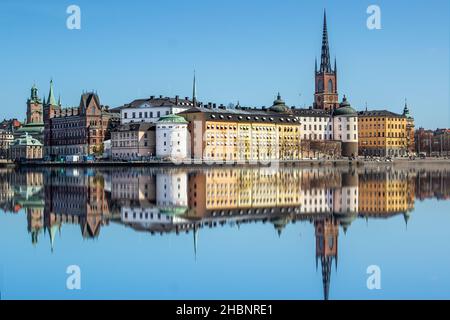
180 201
384 194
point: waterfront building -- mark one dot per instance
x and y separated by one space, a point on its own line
172 137
345 128
382 133
26 148
410 130
220 134
6 139
326 89
433 143
77 130
152 109
133 141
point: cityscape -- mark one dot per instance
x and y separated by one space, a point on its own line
240 150
174 128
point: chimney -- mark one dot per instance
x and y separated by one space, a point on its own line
160 96
177 98
152 97
214 106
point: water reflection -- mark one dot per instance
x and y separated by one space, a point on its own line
182 200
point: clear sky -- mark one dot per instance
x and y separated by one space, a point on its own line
241 50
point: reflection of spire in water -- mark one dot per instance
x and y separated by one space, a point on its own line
196 230
326 263
52 233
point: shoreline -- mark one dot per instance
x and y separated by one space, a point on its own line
200 164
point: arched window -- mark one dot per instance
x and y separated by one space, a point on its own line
320 85
330 86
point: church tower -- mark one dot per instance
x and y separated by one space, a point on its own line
326 94
34 108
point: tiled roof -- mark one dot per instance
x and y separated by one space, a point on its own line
380 113
243 115
134 127
159 102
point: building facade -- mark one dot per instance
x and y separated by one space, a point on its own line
79 130
150 110
219 134
433 143
383 134
6 139
345 128
26 148
133 141
172 137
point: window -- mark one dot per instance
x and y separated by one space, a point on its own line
330 86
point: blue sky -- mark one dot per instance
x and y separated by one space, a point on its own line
241 50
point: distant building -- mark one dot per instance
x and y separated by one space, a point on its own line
6 139
26 148
382 133
172 137
433 143
10 125
79 130
133 141
150 110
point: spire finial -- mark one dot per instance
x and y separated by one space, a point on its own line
194 91
51 97
325 65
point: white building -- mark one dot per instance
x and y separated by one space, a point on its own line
150 110
172 137
315 124
345 128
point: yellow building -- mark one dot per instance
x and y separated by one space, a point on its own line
382 133
244 134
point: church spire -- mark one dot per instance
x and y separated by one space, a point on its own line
51 97
194 91
325 64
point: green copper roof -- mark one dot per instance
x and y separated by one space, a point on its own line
26 140
51 97
32 128
344 109
279 105
173 118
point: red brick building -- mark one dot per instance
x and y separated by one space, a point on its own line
77 130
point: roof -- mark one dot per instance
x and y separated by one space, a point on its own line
345 109
243 115
32 127
380 113
311 112
172 118
26 140
158 102
134 127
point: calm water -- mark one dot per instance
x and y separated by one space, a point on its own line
225 233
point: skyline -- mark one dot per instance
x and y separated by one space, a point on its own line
272 57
